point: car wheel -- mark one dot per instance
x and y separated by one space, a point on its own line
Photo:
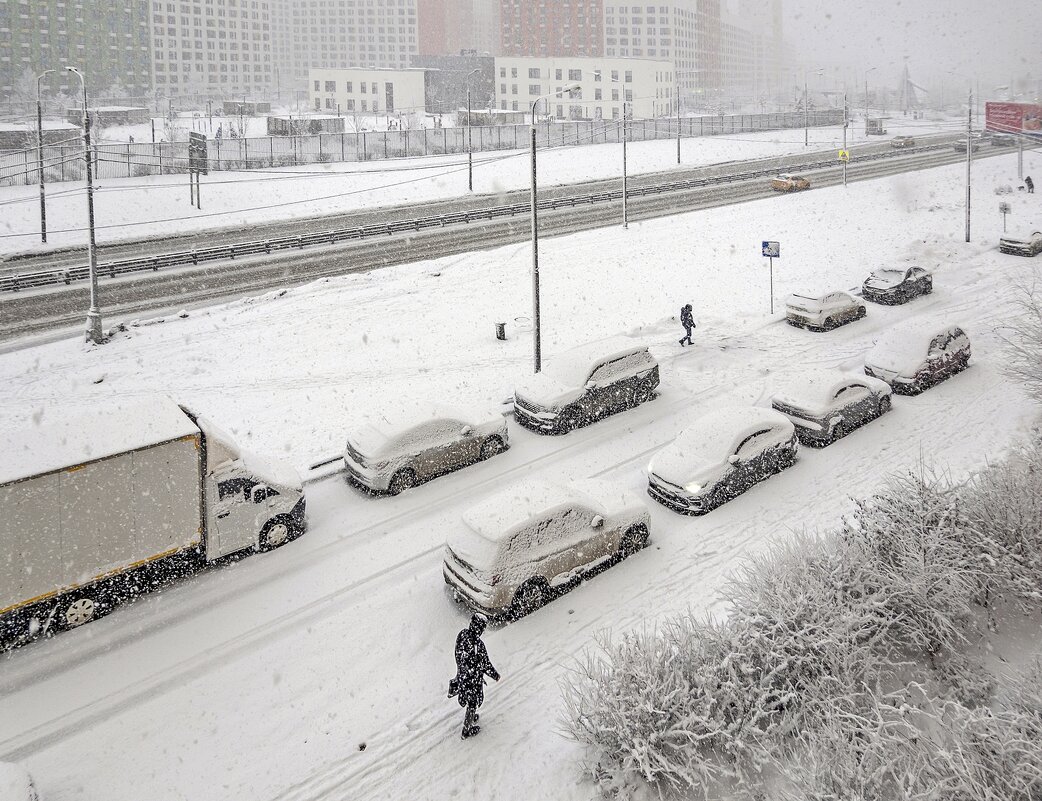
76 611
401 481
928 288
493 446
918 386
275 533
829 324
570 420
861 312
529 596
839 431
633 540
884 406
643 393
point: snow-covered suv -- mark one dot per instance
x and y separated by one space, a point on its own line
585 384
918 354
526 544
897 285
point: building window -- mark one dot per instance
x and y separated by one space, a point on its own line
615 75
558 74
502 72
597 76
533 72
502 91
513 88
350 107
513 72
597 94
535 89
362 87
575 75
316 83
365 107
629 76
330 86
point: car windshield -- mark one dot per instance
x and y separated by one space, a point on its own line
890 275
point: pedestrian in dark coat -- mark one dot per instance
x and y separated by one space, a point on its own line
688 321
1029 184
472 665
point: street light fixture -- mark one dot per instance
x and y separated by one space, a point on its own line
39 154
94 333
470 148
536 332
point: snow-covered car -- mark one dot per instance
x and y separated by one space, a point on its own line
828 405
16 784
392 454
999 139
915 355
720 456
897 285
525 545
901 142
1021 244
585 384
823 312
960 144
789 182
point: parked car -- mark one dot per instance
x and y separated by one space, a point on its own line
897 285
827 406
960 144
918 354
823 312
1021 244
719 457
901 142
585 384
392 454
788 182
527 544
999 139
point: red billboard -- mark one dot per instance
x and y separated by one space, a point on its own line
1013 118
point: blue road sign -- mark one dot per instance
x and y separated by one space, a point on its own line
772 250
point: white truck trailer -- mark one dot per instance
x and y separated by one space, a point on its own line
97 509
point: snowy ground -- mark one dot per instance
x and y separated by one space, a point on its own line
263 679
135 207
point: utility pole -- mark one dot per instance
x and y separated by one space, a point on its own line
969 159
625 136
1020 157
845 123
470 141
535 255
678 122
39 155
806 112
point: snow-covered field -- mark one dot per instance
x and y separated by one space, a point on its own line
264 679
134 207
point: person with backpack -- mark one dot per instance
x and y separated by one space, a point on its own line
688 321
1029 184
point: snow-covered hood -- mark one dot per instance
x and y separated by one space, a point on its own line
884 279
900 361
274 472
546 391
678 465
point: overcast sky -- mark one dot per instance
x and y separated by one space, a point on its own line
992 39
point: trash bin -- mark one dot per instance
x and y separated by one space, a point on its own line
501 330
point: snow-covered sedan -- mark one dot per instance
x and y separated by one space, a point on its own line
918 354
585 384
897 285
902 142
823 312
1021 244
527 544
393 453
788 182
720 456
828 405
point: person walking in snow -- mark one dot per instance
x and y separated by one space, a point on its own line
1029 184
472 665
688 321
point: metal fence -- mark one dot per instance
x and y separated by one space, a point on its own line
65 162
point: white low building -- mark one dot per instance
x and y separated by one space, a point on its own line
382 91
646 85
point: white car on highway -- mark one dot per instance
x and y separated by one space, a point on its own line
394 451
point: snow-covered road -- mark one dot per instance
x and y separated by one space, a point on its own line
264 678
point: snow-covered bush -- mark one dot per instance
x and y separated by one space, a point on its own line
1023 340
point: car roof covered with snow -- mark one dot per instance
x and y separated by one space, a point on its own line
1024 235
817 389
566 373
116 426
375 433
500 515
802 298
712 438
905 346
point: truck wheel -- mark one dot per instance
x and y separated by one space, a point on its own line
275 533
76 611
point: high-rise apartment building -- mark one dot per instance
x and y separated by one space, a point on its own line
551 29
107 41
212 48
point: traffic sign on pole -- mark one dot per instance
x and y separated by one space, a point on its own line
1004 209
771 251
844 155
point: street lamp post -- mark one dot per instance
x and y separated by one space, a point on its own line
845 124
470 144
536 327
39 154
969 159
94 333
866 90
806 108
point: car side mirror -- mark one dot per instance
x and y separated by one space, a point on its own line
590 384
259 493
733 459
466 431
597 521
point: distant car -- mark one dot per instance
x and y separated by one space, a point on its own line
897 285
1022 244
918 354
392 455
823 312
960 144
16 784
719 457
901 142
827 406
527 544
1003 139
585 384
787 182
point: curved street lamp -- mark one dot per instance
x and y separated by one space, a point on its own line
536 332
470 147
39 154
